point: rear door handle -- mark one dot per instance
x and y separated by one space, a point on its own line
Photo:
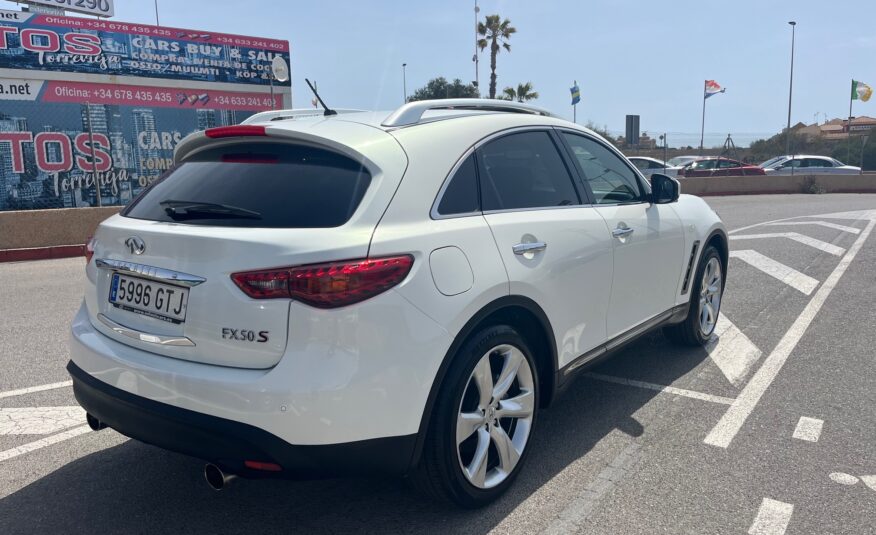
621 232
533 247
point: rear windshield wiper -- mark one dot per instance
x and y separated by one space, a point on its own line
192 209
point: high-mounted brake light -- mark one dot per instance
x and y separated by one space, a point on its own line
89 249
330 285
241 130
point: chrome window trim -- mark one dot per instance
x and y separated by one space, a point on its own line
151 272
144 336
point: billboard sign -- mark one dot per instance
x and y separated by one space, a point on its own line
70 45
87 103
100 8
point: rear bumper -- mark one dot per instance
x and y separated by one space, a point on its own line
228 443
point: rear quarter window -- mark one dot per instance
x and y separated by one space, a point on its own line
265 185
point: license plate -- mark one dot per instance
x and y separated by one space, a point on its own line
149 298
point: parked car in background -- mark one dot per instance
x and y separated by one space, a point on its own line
808 164
679 161
719 167
649 166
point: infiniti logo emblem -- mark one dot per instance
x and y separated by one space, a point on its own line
136 245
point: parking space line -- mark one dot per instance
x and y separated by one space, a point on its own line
660 388
827 224
732 351
29 390
830 248
772 518
43 442
799 281
729 424
808 429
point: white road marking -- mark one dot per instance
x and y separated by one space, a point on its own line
574 515
870 481
808 429
726 428
22 391
772 518
842 478
43 442
39 420
799 281
827 224
660 388
732 351
797 237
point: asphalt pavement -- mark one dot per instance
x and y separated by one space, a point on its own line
772 429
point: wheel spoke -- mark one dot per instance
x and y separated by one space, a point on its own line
520 406
467 423
508 455
483 376
710 314
511 364
477 468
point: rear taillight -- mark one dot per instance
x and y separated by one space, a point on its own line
241 130
330 285
89 249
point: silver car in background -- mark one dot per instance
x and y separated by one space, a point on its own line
649 166
808 164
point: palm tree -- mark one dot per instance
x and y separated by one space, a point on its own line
495 33
523 93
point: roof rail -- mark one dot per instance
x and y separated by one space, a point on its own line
279 115
412 112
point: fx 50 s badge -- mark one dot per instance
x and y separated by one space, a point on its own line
245 335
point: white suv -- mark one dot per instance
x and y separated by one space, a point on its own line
396 293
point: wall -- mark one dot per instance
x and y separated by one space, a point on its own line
46 228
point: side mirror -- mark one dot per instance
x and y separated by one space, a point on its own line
664 189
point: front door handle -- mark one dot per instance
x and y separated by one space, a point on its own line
621 232
532 247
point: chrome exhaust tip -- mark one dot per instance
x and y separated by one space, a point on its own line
94 423
216 478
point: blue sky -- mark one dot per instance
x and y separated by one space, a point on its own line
642 57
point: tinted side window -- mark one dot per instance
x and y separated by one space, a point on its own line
641 164
609 177
524 170
461 195
727 164
817 162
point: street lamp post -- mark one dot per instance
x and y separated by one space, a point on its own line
790 90
405 81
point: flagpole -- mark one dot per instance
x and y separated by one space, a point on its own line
849 137
703 126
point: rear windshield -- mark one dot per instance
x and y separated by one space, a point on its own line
257 185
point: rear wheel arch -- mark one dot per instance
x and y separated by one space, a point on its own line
530 321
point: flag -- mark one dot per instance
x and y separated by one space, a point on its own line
861 91
576 93
712 88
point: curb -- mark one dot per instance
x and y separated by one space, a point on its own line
42 253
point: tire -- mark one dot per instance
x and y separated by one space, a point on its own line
440 472
694 330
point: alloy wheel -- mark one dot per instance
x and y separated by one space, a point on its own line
710 296
495 416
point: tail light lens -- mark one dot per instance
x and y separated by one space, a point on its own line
329 285
89 249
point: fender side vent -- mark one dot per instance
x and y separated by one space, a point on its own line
690 263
